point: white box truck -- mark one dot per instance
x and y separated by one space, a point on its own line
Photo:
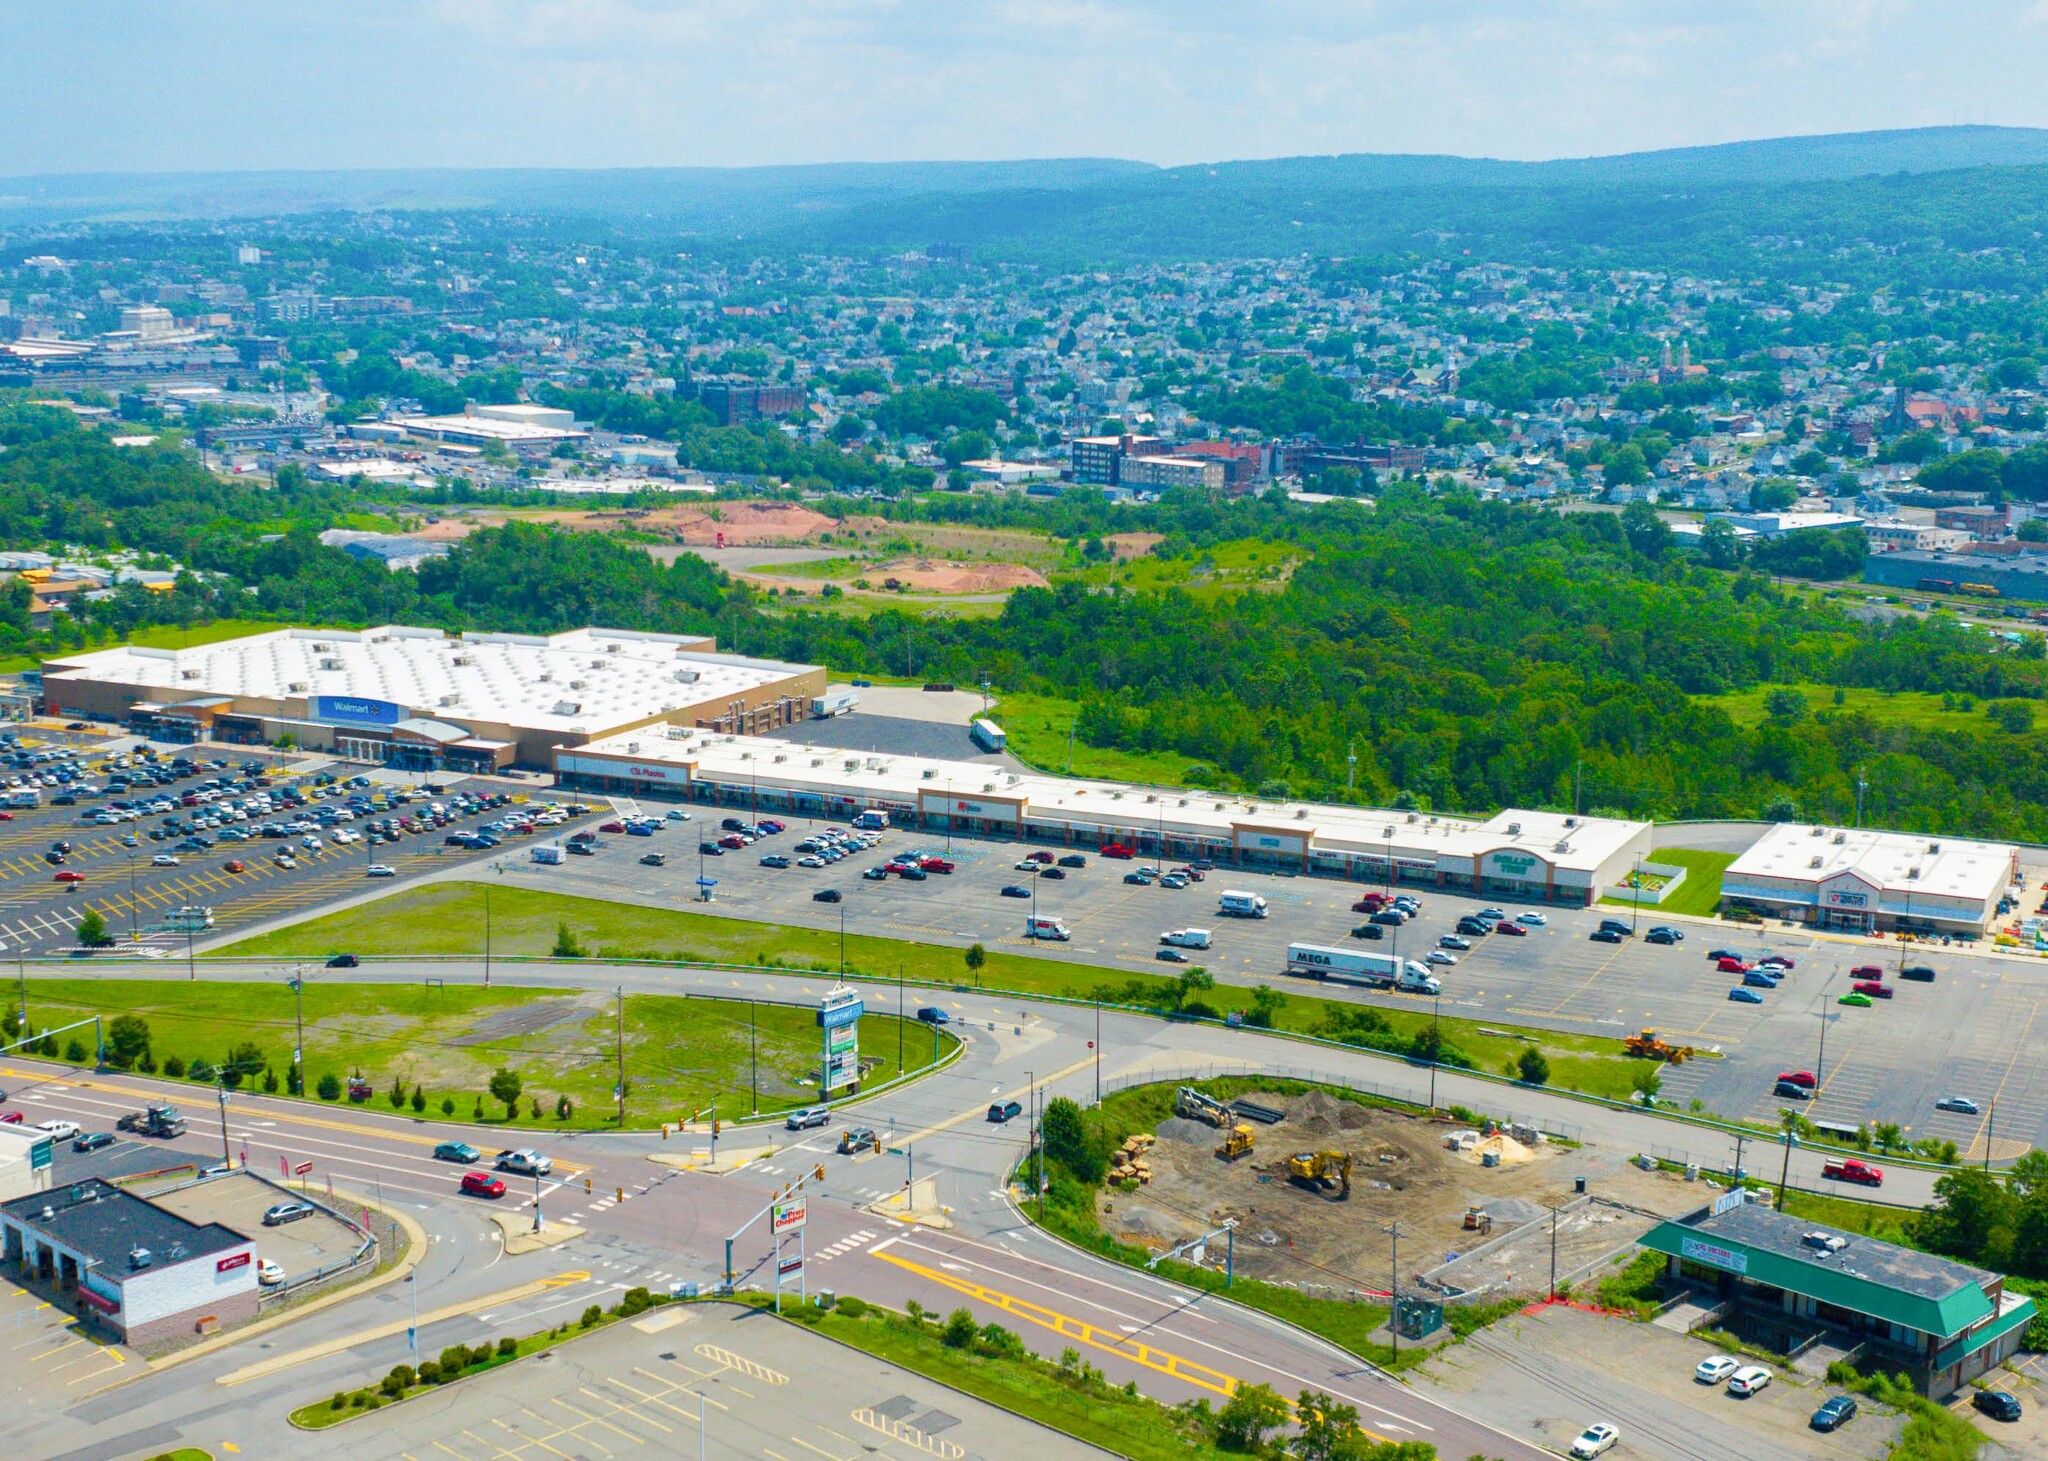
1186 938
547 852
28 796
1234 904
1040 926
1352 966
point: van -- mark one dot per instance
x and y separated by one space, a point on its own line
1042 927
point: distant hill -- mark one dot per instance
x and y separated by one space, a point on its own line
690 198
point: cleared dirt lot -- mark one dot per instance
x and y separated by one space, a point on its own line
1402 1171
1555 1370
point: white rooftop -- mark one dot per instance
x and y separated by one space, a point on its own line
581 682
1896 864
1579 844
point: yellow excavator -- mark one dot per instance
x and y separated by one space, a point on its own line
1237 1142
1325 1172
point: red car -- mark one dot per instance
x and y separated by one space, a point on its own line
1799 1078
1872 988
1866 971
1783 961
1040 856
482 1184
6 816
11 1117
936 865
234 865
1731 966
1118 850
68 878
1512 930
613 827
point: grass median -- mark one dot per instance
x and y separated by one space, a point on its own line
681 1053
448 919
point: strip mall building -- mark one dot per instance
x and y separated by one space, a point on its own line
1515 854
1872 882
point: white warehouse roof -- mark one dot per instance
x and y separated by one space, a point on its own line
1795 861
580 682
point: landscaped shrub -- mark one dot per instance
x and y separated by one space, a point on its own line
853 1307
960 1329
507 1347
430 1372
329 1087
174 1068
592 1315
75 1052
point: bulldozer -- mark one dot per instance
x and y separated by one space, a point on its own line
1478 1219
1648 1046
1237 1142
1191 1103
1325 1172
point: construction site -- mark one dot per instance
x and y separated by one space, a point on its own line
1308 1191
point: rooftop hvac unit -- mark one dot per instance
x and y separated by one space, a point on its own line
297 687
1829 1242
139 1258
1387 831
447 700
1514 829
335 664
632 748
1817 860
1414 816
817 761
578 684
1934 847
1840 838
319 648
988 787
781 758
611 649
1183 801
1116 796
1819 832
1301 814
463 659
544 677
687 677
189 674
1912 874
928 772
567 707
597 664
1563 846
1571 821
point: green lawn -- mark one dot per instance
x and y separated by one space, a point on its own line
1204 573
1700 893
447 918
183 1453
1037 726
681 1053
1916 708
1068 1398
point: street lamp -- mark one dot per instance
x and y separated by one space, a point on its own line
298 983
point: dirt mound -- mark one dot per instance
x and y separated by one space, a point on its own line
1180 1131
1321 1114
1504 1148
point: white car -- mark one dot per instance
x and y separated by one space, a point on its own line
1537 919
1715 1368
1440 956
1595 1440
343 837
58 1130
679 816
163 859
1748 1380
269 1273
380 870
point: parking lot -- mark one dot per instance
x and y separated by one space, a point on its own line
1562 1369
50 1357
1964 1034
309 1246
229 852
762 1388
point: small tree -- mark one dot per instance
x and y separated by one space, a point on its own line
269 1081
566 946
127 1041
245 1058
562 1108
960 1328
533 1108
92 930
396 1095
1534 1067
447 1105
174 1068
1191 981
1253 1410
419 1098
975 958
506 1086
329 1088
75 1052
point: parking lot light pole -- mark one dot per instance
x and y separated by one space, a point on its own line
487 935
1435 1044
299 1026
842 938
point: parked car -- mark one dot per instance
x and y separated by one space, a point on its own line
806 1117
91 1141
269 1273
1857 999
482 1184
1608 936
1834 1413
1369 930
826 895
1000 1111
1454 941
1511 928
1998 1404
1866 971
380 870
278 1214
1792 1091
1595 1440
1715 1368
1011 890
1073 859
1962 1105
1760 979
1440 956
1661 936
1741 995
1917 972
1872 988
1746 1381
58 1130
775 860
456 1151
68 877
1169 956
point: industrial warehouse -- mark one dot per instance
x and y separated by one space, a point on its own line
423 699
1870 882
1514 854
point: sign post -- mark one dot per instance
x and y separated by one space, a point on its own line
839 1058
787 1217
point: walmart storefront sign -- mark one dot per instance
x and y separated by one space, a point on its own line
356 710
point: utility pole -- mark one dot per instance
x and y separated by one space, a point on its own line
1785 1171
487 935
1350 767
1553 1254
620 1023
753 1058
1738 1173
1394 1293
299 1028
1990 1125
1860 785
899 1017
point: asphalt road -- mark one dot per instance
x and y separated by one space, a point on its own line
1966 1034
649 1223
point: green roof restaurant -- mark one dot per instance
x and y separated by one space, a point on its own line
1815 1293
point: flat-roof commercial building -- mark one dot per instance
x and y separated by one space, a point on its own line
1515 854
2012 577
423 699
535 430
143 1271
1866 881
26 1161
1790 1282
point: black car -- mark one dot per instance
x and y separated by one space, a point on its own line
1073 859
343 961
1052 872
1615 925
1389 918
1834 1412
1716 955
1663 936
1369 930
92 1141
1004 1110
1925 975
825 895
1608 936
582 849
1474 927
1792 1091
1011 890
711 849
1998 1404
931 1014
1170 956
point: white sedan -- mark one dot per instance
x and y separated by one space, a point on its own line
269 1273
380 870
1715 1368
1440 956
1537 919
1595 1440
163 859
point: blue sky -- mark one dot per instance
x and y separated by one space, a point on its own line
138 85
